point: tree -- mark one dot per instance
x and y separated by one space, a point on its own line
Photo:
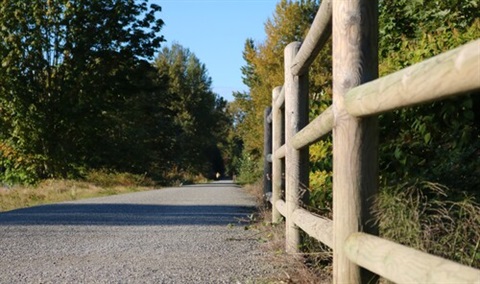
264 70
65 68
264 65
198 113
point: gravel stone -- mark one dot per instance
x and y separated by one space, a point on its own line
191 234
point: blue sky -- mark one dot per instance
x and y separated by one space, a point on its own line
215 31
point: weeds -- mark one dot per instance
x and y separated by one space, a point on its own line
310 266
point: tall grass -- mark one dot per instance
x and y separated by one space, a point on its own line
432 218
96 183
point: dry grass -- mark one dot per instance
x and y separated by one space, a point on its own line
310 266
50 191
302 268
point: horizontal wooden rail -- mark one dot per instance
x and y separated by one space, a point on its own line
280 153
320 31
281 207
315 130
402 264
315 226
451 73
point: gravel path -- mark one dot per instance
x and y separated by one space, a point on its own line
191 234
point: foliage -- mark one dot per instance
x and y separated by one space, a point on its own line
179 177
248 169
414 141
199 116
106 178
321 195
233 147
406 20
264 71
65 74
77 93
17 168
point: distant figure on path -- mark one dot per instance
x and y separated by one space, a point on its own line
217 175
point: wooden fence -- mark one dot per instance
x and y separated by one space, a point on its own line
358 97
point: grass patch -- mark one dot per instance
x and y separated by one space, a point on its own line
96 184
431 218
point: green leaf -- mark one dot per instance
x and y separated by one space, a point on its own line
427 138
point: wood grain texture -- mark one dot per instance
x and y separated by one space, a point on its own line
402 264
317 36
277 163
296 161
315 130
315 226
449 74
355 141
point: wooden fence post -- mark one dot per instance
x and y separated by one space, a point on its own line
277 141
355 141
296 161
267 150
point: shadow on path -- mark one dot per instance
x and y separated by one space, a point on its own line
126 215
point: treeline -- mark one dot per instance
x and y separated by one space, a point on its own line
429 155
80 89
